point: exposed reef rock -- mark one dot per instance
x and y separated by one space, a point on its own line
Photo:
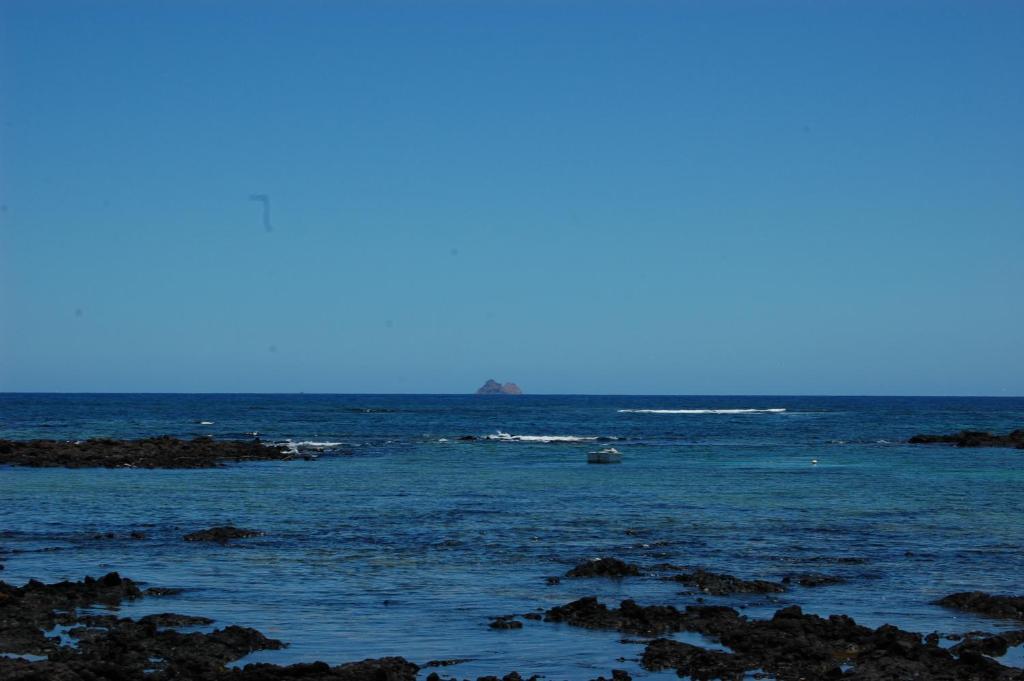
972 438
154 452
617 675
1004 607
492 387
813 579
222 534
108 648
789 646
604 567
506 622
690 660
720 584
993 645
25 612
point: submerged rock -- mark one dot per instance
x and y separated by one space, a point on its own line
174 620
1005 607
448 663
617 675
718 584
604 567
505 622
154 452
973 438
222 534
813 579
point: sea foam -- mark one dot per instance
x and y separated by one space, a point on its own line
506 437
307 445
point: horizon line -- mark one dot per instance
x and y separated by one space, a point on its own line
527 395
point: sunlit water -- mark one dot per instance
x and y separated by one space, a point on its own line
407 544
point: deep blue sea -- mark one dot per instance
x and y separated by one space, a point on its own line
402 540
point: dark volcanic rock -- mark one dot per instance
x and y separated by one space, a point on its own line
506 622
813 579
692 661
617 675
791 645
383 669
604 567
26 611
154 452
222 534
448 663
993 645
492 387
170 619
721 584
652 620
113 649
973 438
1005 607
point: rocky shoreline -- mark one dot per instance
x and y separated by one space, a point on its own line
789 646
154 452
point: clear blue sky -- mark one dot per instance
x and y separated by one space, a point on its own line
582 197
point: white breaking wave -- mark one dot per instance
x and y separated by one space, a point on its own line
506 437
702 411
307 445
311 444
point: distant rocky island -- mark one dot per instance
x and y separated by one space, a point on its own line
492 387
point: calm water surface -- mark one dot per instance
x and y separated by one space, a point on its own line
402 540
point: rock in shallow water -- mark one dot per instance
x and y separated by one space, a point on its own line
813 579
690 660
790 645
604 567
109 648
154 452
25 612
973 438
1005 607
222 534
721 584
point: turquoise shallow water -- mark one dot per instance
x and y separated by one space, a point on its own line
402 540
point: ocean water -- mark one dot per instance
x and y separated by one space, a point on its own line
401 540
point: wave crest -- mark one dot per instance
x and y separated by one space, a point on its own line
506 437
293 447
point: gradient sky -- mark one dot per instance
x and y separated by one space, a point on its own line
582 197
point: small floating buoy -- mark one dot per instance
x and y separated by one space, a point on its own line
814 461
